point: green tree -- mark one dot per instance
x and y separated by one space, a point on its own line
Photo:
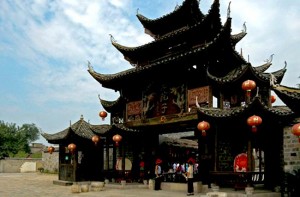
14 139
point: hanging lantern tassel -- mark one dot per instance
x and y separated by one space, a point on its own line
203 133
248 93
254 129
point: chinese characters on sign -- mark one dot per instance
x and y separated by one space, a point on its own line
203 94
168 101
134 110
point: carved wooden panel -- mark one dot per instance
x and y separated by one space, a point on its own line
134 110
203 94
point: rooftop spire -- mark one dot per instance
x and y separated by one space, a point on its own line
228 10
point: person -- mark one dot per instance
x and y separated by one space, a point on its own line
190 179
157 176
142 173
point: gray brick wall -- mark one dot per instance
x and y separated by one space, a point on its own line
291 150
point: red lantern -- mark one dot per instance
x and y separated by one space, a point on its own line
248 85
51 149
273 98
296 130
158 161
203 127
254 121
71 147
95 139
117 138
103 114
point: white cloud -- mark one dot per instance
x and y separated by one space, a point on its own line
53 40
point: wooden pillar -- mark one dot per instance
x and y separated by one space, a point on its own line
259 159
249 162
249 155
123 161
114 160
74 163
107 154
216 150
220 103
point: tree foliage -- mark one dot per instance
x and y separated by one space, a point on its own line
14 138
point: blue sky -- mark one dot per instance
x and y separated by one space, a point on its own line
45 46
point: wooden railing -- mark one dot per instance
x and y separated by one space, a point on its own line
238 180
173 177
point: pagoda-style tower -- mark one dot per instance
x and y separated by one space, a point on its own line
171 86
193 57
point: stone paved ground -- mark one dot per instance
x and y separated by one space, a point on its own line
41 185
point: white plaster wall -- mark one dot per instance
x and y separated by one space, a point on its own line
28 167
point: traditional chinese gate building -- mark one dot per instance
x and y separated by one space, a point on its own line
171 87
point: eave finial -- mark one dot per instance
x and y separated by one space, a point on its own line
112 39
285 64
99 97
270 59
228 10
137 11
244 28
90 67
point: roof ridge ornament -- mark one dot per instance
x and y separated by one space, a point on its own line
112 39
244 28
90 67
197 104
285 65
228 10
137 11
273 80
257 90
270 59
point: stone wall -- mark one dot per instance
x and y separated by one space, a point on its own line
14 165
50 161
291 150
